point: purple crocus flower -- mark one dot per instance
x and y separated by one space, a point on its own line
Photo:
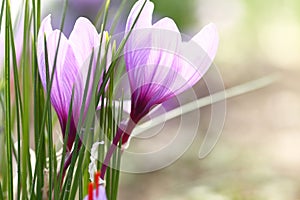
72 63
159 64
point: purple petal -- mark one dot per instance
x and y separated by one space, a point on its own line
45 29
208 39
166 40
83 39
159 64
101 194
145 18
149 60
173 64
66 71
195 58
138 40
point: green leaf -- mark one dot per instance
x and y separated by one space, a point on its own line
1 192
41 140
7 104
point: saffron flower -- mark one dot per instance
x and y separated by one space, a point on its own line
159 64
73 58
99 192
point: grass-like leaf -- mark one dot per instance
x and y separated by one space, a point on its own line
26 101
1 192
19 110
41 140
58 182
7 104
49 127
1 13
117 16
116 56
68 181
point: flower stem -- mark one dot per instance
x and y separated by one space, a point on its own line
119 134
68 162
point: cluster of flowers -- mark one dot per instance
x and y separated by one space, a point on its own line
156 69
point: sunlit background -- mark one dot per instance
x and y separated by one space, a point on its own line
257 155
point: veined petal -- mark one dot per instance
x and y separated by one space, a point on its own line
166 40
57 98
85 42
159 64
208 39
71 77
195 58
83 39
145 18
45 29
150 60
135 52
166 23
66 70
